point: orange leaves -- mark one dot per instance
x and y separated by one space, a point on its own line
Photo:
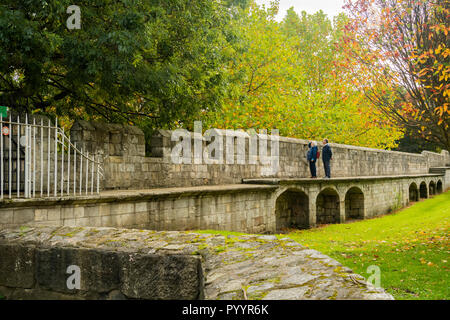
440 28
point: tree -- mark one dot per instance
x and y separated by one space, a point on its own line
397 51
292 82
156 63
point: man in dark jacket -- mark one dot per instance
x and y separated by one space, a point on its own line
312 157
326 157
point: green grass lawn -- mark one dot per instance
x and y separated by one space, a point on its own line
411 247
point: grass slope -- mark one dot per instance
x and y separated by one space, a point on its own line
411 247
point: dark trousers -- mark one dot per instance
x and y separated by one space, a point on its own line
312 168
326 165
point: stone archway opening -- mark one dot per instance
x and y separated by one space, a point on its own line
292 210
354 204
423 191
327 207
439 187
413 192
432 188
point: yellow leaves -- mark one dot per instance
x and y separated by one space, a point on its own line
441 110
446 53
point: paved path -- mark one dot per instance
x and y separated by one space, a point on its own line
277 181
136 194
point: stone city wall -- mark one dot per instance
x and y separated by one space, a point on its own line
242 208
122 149
249 207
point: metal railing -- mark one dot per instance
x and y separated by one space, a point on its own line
35 166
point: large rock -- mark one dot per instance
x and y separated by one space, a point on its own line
141 264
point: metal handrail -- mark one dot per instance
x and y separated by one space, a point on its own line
30 171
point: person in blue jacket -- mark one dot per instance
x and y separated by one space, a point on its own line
312 158
327 156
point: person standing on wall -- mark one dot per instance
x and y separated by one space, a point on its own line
312 158
327 156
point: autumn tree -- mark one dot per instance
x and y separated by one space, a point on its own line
397 51
292 82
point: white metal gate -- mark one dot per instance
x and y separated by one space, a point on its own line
39 160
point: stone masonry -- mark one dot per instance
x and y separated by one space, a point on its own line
136 264
122 149
256 206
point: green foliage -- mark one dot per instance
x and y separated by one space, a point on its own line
152 62
292 82
165 63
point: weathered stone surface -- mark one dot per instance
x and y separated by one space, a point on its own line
284 270
160 277
16 265
142 264
99 269
114 264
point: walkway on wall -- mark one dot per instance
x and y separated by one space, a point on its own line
254 206
133 195
285 181
247 185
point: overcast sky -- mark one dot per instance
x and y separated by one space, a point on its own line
330 7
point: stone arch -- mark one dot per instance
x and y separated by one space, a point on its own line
432 188
292 210
328 206
423 190
413 192
439 187
354 204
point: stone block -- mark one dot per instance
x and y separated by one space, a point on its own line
104 209
40 215
99 270
157 277
122 208
92 211
17 265
23 215
142 218
141 207
128 220
66 213
6 216
54 214
78 212
95 221
106 221
82 222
